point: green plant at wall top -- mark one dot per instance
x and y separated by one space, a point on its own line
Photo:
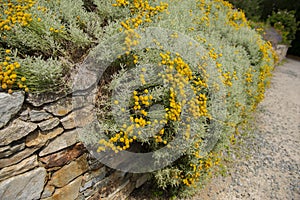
285 22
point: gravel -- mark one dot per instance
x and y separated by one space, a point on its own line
273 169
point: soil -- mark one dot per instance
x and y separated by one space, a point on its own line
270 166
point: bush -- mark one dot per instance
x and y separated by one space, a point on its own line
252 8
285 22
233 52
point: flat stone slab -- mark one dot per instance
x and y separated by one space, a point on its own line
60 108
39 138
10 104
15 131
49 124
9 150
15 158
63 157
19 168
69 172
64 140
70 191
39 115
27 186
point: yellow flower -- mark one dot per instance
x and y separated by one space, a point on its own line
4 86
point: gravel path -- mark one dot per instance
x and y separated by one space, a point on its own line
273 169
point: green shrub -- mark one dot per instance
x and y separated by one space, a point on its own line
285 22
252 8
43 31
233 52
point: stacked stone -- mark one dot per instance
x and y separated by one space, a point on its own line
41 156
281 51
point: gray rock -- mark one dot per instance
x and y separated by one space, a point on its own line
70 191
96 188
19 168
27 186
4 162
92 178
142 180
79 118
63 157
49 124
60 108
69 172
79 101
48 191
7 151
39 138
15 131
10 104
38 115
123 191
64 140
43 98
25 115
80 197
87 80
4 148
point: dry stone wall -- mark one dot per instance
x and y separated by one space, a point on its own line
41 156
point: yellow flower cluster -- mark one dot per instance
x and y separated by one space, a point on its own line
206 8
15 12
131 40
121 138
60 30
138 119
200 167
227 79
142 10
120 3
183 70
224 3
213 54
264 74
237 19
249 76
179 79
142 100
8 74
175 108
